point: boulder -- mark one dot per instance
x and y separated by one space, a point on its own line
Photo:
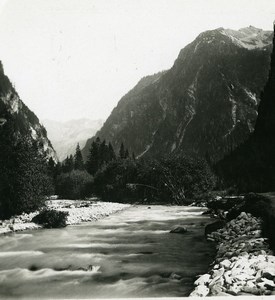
175 276
225 263
179 229
214 226
234 289
200 291
216 289
203 279
268 282
267 275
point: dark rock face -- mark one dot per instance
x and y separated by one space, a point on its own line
251 167
205 104
25 122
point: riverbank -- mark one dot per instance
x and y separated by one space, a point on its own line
79 211
244 263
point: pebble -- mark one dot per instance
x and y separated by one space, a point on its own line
78 210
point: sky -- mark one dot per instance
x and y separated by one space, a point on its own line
72 59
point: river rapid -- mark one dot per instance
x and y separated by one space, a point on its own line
128 254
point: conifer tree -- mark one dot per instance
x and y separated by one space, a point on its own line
24 179
68 164
78 159
111 152
92 164
122 151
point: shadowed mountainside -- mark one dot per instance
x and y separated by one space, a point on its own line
205 104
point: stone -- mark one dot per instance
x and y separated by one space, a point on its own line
175 276
234 289
267 275
216 281
203 279
179 229
218 273
214 226
243 277
225 263
251 290
268 282
227 278
216 289
200 291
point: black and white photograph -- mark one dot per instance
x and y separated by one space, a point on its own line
137 149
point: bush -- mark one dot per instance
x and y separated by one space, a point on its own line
73 185
51 218
171 180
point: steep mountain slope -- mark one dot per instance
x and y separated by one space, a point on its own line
65 135
251 167
205 104
25 122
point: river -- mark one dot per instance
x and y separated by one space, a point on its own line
129 254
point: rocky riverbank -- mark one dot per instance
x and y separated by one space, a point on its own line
79 211
244 264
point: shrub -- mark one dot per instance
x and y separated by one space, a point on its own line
170 180
73 185
51 218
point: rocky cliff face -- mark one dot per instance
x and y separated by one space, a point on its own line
25 122
251 167
205 104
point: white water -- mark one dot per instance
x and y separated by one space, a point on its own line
129 254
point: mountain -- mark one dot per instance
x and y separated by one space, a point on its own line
251 166
65 135
205 104
25 122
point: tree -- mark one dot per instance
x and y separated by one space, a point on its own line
100 155
111 152
68 164
92 164
74 185
24 177
121 151
78 159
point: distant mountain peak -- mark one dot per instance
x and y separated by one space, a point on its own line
248 37
66 135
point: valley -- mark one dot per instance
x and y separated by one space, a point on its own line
171 194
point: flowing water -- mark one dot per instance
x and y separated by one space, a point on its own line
129 254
